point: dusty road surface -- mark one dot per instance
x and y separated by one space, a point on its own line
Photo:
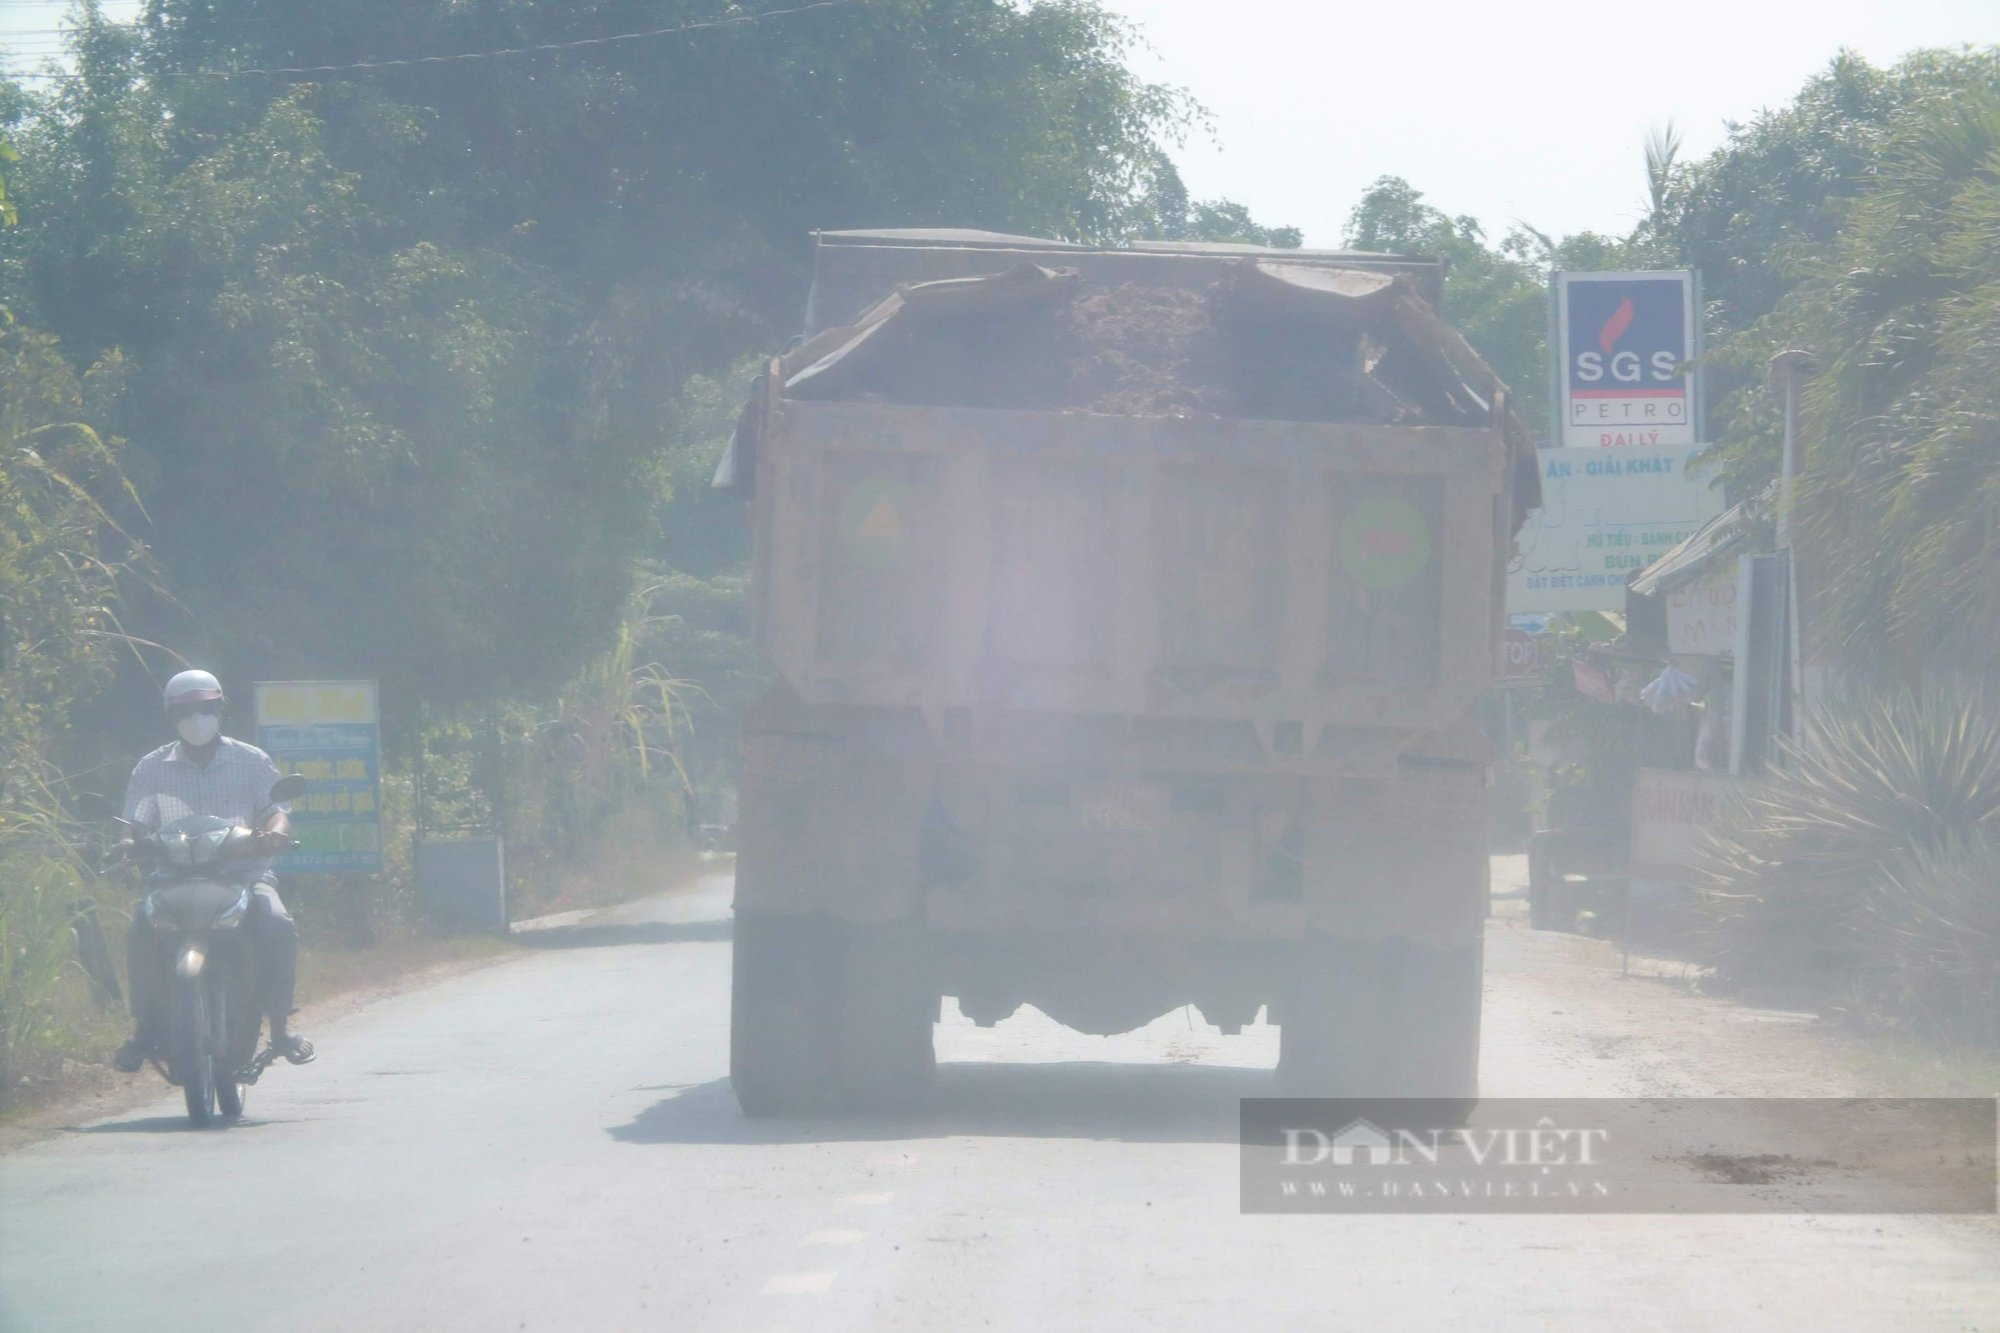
551 1144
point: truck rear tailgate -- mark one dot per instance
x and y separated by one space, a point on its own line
1298 576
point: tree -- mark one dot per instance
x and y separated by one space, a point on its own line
1757 214
1901 493
1779 189
1170 214
407 344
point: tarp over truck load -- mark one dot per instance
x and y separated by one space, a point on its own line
1202 488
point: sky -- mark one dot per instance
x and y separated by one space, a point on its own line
1536 111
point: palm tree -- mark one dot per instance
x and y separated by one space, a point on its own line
1900 502
1663 151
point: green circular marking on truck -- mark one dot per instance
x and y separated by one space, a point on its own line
1385 543
874 521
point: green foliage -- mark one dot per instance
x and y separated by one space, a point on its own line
9 215
1934 924
1902 490
1170 214
381 401
1900 301
1766 210
623 711
1779 189
61 549
62 552
1821 868
36 951
425 331
610 744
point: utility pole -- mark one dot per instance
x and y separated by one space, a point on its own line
1788 371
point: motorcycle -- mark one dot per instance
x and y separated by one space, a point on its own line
196 909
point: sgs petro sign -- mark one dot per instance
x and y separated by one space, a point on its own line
1627 344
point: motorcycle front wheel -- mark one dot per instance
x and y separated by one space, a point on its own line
194 1062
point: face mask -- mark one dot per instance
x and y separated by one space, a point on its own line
198 729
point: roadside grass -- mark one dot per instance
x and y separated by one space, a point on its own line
330 973
1884 1063
633 861
1912 1066
1887 1063
49 1015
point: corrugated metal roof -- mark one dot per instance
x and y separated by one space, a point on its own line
1718 537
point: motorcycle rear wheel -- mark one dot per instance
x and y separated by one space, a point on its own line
194 1062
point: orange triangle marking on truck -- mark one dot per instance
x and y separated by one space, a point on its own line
882 522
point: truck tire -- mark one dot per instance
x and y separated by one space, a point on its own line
782 1013
1397 1021
1331 1041
887 1057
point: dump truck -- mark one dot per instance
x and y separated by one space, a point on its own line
1127 609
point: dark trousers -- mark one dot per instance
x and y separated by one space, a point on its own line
272 933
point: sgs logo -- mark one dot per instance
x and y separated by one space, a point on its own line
1624 365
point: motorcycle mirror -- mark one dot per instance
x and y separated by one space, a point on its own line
92 805
288 788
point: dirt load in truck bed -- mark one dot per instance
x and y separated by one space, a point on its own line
1262 344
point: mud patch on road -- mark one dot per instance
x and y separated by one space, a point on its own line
1756 1169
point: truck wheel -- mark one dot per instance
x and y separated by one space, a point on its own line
782 1014
887 1057
1330 1035
1397 1021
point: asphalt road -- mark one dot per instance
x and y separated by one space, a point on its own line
550 1143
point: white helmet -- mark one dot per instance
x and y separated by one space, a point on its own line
192 687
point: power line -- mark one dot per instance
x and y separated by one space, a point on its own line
409 62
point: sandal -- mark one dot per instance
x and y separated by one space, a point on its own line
296 1050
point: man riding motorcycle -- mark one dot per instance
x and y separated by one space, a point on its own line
207 773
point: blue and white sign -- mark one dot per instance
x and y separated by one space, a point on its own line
329 731
1627 343
1605 515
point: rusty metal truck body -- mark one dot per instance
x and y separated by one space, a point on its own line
1109 712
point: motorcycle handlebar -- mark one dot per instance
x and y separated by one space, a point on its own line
145 845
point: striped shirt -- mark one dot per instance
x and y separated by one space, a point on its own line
236 785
